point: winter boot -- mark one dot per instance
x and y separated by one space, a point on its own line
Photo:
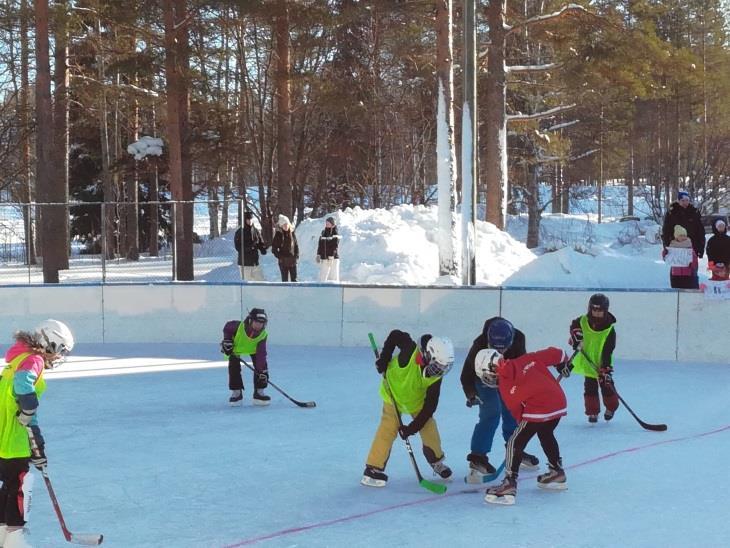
592 418
504 493
259 398
236 399
16 539
479 468
529 462
374 477
554 478
440 469
608 415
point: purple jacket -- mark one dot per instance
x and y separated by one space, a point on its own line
259 358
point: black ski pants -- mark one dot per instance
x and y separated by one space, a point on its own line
12 473
235 381
523 434
288 273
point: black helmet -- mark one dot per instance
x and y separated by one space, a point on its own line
598 300
257 314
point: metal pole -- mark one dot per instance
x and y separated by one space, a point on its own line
469 168
174 241
28 239
103 243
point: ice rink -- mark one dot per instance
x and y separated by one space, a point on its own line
144 448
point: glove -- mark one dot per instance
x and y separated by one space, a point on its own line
38 453
564 368
576 337
664 252
318 259
262 379
406 431
473 400
25 417
227 346
381 364
605 375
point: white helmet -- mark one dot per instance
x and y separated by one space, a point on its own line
439 357
55 337
486 364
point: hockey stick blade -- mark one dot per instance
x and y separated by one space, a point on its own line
86 539
495 475
438 488
298 403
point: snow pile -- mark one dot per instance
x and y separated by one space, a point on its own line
145 146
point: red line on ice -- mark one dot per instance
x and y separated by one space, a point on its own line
320 524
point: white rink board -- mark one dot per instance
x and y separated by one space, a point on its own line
653 325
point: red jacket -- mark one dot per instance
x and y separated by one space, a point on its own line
529 390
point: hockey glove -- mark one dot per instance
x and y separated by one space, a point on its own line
25 417
227 346
406 431
576 337
473 400
564 368
605 375
38 453
318 259
262 380
381 364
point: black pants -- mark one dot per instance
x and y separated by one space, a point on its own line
523 434
235 381
590 396
12 473
288 272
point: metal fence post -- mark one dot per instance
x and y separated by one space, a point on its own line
174 241
103 242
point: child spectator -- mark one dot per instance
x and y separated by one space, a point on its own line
327 252
718 246
683 277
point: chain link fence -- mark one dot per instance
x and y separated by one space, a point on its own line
119 242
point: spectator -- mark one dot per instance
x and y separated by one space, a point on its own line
718 247
720 272
286 249
327 256
683 277
253 243
683 213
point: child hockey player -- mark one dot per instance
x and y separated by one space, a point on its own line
247 338
594 332
501 335
413 377
21 386
536 400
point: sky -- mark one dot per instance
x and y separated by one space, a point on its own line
144 449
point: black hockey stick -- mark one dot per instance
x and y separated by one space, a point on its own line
287 396
645 425
76 538
437 488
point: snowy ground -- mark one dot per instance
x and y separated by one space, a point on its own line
144 449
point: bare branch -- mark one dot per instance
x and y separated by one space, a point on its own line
538 115
515 69
569 9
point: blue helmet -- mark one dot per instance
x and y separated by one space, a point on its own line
500 334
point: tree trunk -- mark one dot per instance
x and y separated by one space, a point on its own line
49 188
60 123
496 118
131 193
26 194
176 66
108 237
533 208
283 112
445 146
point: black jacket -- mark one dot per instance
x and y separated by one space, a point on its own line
689 218
718 247
406 345
285 247
252 244
468 375
329 241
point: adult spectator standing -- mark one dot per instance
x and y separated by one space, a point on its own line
718 246
327 252
683 213
249 243
286 249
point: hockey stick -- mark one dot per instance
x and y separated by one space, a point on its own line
645 425
287 396
437 488
85 539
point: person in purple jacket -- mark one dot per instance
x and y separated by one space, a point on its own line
247 338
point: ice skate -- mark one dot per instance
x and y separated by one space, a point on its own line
479 468
608 415
592 418
441 469
553 479
236 399
529 462
259 398
16 539
374 477
505 493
